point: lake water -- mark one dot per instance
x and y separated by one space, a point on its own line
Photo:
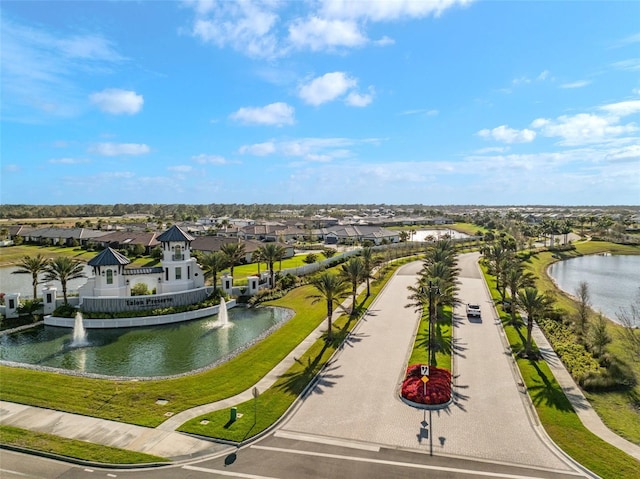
420 235
614 280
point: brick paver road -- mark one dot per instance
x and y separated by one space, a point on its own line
357 400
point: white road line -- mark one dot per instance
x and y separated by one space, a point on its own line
325 440
16 473
226 473
404 464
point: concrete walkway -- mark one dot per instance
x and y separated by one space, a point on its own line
167 444
580 404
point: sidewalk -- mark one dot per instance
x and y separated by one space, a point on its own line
169 444
582 407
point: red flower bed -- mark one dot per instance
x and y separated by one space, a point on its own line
438 390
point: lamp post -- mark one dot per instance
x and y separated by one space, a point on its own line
432 290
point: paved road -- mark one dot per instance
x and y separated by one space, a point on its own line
357 400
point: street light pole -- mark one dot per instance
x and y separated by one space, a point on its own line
432 290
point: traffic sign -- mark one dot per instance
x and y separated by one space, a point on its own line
424 369
425 379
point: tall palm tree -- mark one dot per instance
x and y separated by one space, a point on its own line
516 279
270 253
234 252
369 261
535 304
212 264
353 271
64 269
33 266
332 289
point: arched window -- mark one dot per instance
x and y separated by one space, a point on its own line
109 276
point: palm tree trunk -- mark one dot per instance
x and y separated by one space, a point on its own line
527 349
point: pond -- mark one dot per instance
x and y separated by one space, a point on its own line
614 280
436 234
145 352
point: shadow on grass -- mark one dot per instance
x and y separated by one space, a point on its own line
546 392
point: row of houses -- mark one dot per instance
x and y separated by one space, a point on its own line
253 236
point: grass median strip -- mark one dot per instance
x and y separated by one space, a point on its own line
85 451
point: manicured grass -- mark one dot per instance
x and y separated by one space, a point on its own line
274 402
86 451
13 254
442 341
557 415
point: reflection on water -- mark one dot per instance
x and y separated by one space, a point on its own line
150 351
613 280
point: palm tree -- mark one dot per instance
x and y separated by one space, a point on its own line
332 289
212 264
369 261
234 252
33 266
517 278
353 271
270 253
64 269
535 304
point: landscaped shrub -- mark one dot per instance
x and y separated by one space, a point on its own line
575 357
438 388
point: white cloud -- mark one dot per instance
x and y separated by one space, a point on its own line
319 34
258 149
380 11
180 168
265 29
116 149
576 84
309 149
244 26
622 108
632 64
326 88
68 161
209 159
359 100
582 128
274 114
508 135
117 102
421 111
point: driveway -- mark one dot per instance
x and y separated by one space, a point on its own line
356 399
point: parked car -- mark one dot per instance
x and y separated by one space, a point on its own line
473 310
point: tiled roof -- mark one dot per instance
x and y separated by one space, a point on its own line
132 271
109 257
175 233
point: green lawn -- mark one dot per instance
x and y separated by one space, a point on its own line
86 451
557 415
442 338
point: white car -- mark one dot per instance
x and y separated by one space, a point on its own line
473 310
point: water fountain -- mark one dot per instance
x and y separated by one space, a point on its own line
79 333
223 314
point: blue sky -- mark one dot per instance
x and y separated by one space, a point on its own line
397 102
